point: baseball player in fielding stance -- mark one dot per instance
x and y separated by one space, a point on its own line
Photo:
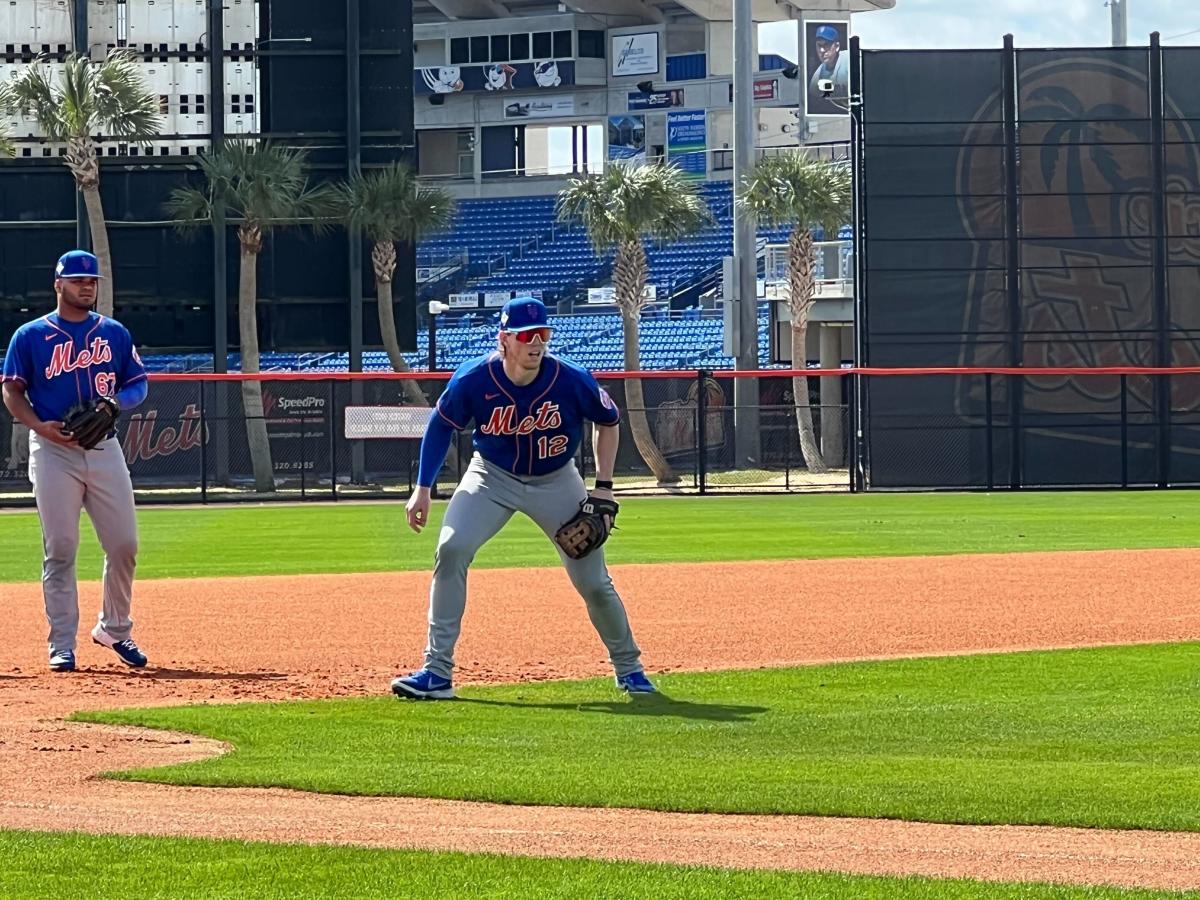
76 366
528 408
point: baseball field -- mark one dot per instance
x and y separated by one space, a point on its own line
937 695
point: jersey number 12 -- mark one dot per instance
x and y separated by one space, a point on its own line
552 446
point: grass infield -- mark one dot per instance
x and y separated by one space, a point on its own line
260 540
73 865
1098 737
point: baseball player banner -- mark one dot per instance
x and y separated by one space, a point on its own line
687 141
550 73
827 58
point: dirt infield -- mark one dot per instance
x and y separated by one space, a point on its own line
322 636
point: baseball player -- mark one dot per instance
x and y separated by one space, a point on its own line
528 409
835 65
75 358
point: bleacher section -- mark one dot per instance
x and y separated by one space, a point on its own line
498 237
515 244
669 340
490 234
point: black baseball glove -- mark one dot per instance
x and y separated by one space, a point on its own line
588 528
90 423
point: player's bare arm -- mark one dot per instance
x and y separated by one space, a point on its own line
17 403
605 440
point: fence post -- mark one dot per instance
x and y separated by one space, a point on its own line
303 455
203 447
987 400
852 433
333 442
702 429
1124 433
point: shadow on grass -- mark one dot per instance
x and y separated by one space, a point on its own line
642 705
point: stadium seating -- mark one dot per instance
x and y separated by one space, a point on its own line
515 244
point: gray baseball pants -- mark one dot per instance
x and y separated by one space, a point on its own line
67 480
483 502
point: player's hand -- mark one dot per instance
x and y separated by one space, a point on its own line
603 494
418 509
53 432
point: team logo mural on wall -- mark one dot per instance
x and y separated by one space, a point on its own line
499 77
546 74
443 80
1087 248
539 75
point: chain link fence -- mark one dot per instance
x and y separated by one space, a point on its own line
339 437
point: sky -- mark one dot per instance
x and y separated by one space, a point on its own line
946 24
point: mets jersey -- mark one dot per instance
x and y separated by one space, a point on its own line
62 363
532 429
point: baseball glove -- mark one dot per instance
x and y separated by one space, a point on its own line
587 529
89 423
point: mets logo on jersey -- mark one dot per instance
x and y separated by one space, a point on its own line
64 358
504 420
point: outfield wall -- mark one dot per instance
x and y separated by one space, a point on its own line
1029 208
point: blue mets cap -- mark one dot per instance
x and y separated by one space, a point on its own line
77 264
827 33
522 314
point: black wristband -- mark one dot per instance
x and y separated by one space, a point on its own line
603 485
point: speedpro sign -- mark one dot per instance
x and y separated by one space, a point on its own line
635 54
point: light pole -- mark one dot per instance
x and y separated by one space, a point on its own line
1119 10
436 308
745 246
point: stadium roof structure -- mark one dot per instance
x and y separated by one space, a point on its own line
633 12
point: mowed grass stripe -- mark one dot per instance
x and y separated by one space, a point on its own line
262 540
73 865
1099 737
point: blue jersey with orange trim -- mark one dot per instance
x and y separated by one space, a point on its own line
532 429
62 363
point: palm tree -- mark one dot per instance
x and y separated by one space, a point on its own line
792 189
261 187
619 209
390 205
7 148
90 98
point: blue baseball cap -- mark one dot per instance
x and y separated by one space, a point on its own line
523 314
77 264
827 33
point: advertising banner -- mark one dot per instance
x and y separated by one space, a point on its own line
765 90
634 54
687 140
541 108
627 139
656 99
